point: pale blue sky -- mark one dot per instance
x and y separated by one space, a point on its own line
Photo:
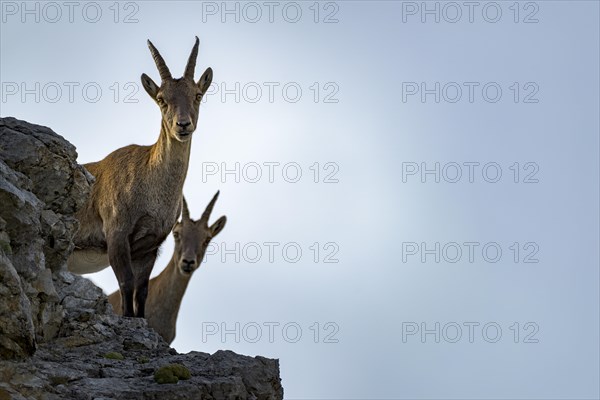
364 66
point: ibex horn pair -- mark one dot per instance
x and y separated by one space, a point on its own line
205 215
163 70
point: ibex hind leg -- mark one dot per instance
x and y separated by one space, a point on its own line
87 261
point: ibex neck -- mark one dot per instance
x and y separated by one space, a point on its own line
170 151
176 284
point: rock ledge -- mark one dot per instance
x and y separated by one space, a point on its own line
57 329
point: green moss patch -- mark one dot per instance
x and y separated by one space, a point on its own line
58 380
172 373
113 355
5 246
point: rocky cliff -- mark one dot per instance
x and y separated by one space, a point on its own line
59 338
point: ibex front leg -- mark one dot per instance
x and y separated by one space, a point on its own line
119 257
143 267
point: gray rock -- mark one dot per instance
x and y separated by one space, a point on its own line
57 328
17 336
48 160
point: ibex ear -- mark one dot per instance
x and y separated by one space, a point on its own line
150 86
205 80
218 226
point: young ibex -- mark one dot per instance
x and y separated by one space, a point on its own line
166 291
136 199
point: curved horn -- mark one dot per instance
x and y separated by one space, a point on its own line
209 208
163 70
185 211
191 64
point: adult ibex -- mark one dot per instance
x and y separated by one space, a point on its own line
166 291
136 198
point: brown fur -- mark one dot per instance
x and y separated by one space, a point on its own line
136 198
166 291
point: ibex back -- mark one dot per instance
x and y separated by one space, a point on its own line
136 199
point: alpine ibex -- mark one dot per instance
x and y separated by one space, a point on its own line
166 291
136 199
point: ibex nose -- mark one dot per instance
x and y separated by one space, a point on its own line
188 265
184 124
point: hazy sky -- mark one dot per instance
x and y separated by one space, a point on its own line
411 188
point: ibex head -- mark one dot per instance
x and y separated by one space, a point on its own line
192 237
178 99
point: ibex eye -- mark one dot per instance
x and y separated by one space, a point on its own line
199 97
160 100
176 235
